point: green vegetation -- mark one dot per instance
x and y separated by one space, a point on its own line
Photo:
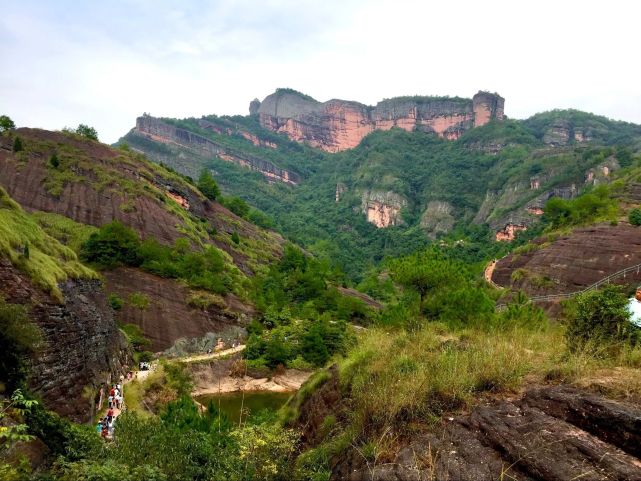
54 161
115 302
84 131
601 318
138 300
17 145
488 169
19 339
48 262
634 217
115 245
304 319
6 123
593 206
208 186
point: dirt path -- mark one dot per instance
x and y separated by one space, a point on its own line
213 355
489 270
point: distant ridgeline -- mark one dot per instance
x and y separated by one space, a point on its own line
355 183
337 125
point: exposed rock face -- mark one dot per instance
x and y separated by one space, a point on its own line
82 350
340 190
169 317
254 105
552 433
156 129
383 209
338 124
82 201
437 218
574 261
562 132
508 233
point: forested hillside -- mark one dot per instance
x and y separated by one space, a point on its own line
397 190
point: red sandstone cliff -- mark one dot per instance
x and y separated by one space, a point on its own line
337 125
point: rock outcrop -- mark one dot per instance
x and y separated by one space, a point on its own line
383 209
169 315
165 133
337 125
562 132
82 349
437 218
573 261
552 433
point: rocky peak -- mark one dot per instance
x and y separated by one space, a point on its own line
337 125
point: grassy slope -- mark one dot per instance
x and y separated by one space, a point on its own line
49 262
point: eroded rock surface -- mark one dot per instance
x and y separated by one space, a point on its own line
337 125
383 209
165 133
82 348
169 316
552 434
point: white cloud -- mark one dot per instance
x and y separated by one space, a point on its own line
104 64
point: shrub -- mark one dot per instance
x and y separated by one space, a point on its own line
235 238
86 131
113 245
207 185
601 317
635 216
54 161
17 145
135 336
139 300
115 302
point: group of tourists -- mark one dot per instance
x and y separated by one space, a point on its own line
115 401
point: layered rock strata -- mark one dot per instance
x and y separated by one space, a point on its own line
337 125
81 351
165 133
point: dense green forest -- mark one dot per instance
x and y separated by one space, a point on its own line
482 178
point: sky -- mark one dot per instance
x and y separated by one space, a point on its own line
105 63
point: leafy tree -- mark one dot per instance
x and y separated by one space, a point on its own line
207 185
601 317
313 347
87 131
113 245
635 216
17 145
6 123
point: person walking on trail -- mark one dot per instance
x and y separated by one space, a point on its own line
99 426
110 400
110 415
105 430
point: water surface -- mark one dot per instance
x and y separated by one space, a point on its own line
252 402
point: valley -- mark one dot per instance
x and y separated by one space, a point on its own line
324 291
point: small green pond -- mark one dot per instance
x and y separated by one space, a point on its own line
252 402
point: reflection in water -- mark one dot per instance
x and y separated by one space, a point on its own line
253 402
